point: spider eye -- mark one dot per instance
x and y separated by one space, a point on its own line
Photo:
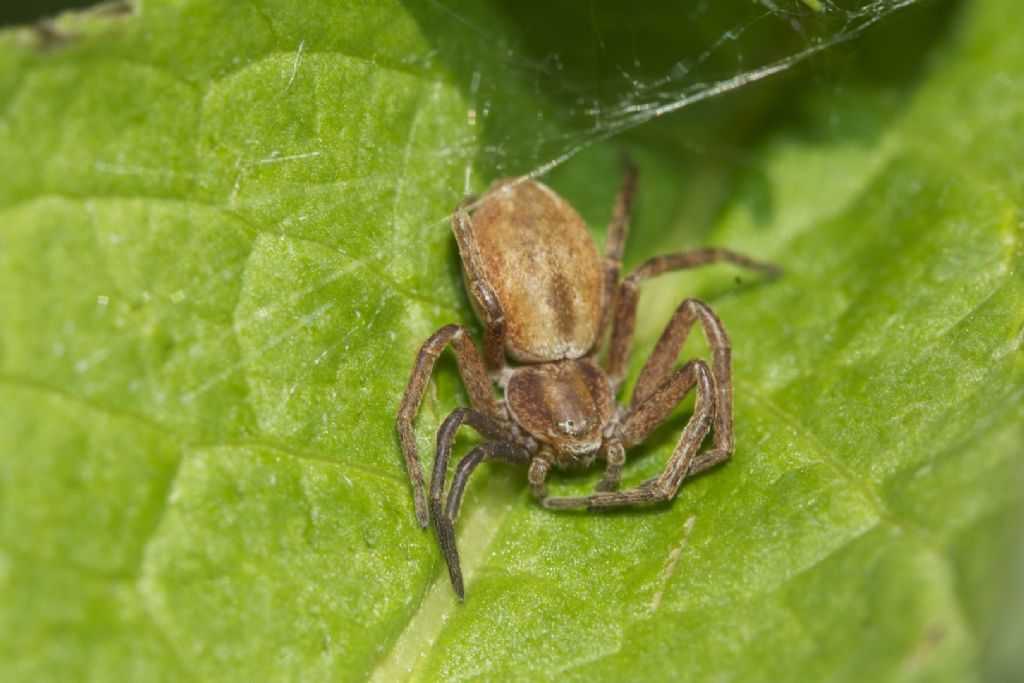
574 427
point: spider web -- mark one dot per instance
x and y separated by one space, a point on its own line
586 95
600 84
772 38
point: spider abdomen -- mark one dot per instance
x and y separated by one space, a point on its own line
537 255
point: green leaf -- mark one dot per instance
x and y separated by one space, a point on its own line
224 237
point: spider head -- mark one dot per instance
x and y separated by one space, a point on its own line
565 404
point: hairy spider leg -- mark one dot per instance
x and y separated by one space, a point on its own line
538 474
474 376
615 455
663 359
488 427
615 243
629 293
444 521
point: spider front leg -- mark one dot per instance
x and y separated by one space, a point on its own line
641 420
485 425
474 376
615 454
539 468
663 359
444 521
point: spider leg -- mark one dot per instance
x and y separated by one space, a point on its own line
662 361
539 468
615 454
641 420
474 376
489 427
615 245
444 521
629 293
480 290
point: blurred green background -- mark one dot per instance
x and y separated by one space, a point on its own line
12 13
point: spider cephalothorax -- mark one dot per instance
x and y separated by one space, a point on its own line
546 299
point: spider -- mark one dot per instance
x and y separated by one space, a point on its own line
546 300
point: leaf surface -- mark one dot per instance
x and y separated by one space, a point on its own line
224 236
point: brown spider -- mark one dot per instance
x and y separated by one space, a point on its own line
537 283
